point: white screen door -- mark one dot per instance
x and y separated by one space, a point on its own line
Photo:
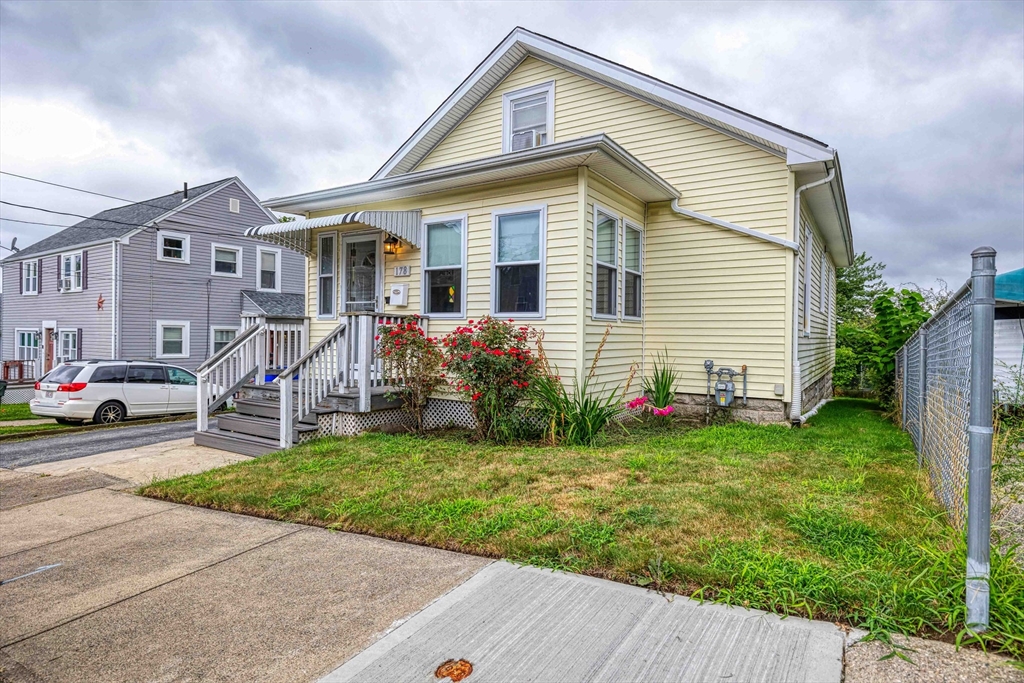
362 275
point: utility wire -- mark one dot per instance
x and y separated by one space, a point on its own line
68 187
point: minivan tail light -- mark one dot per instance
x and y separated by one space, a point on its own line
37 386
72 387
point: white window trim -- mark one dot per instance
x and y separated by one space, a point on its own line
822 278
335 275
808 248
542 286
214 246
630 225
508 98
34 263
186 246
59 351
221 328
259 269
615 266
71 255
18 331
186 335
360 236
831 301
424 269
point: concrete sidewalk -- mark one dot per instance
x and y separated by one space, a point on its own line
526 624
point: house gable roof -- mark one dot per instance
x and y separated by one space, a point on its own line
118 222
521 43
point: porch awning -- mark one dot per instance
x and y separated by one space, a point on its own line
402 225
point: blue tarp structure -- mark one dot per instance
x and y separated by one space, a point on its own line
1010 286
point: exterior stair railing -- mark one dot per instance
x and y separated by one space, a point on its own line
220 376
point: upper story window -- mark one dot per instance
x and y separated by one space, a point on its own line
632 272
30 277
444 271
529 117
606 253
518 277
172 246
72 275
269 275
227 260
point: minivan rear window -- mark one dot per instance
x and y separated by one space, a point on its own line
108 374
65 374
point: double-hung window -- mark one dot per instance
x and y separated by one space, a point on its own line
28 345
528 117
444 267
632 272
606 253
69 345
269 276
71 272
226 260
30 277
222 336
172 246
172 338
518 277
326 272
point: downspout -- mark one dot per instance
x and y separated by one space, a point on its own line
797 400
113 299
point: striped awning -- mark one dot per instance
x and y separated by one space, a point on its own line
403 225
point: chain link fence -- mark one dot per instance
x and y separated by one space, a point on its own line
933 382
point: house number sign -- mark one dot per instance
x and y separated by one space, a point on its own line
401 271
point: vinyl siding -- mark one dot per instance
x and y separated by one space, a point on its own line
816 351
709 293
558 192
71 310
160 290
625 343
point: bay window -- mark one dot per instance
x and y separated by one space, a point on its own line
606 253
518 276
444 268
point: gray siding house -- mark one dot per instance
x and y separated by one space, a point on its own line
167 279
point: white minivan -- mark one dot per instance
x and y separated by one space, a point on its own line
108 391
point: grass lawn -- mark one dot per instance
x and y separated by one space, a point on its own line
830 521
16 411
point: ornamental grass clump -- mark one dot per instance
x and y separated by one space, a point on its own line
412 363
492 362
660 388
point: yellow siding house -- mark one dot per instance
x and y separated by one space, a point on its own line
575 194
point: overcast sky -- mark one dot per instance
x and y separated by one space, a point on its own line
925 102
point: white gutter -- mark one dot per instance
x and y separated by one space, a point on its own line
113 299
756 234
797 398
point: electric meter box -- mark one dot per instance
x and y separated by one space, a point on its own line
399 294
724 393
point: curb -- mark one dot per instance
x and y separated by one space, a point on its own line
46 433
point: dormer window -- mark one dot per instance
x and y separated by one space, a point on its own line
528 117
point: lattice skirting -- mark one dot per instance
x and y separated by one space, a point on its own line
443 413
440 414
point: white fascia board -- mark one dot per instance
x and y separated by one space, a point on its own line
14 258
357 193
552 50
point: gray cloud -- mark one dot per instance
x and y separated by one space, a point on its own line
925 102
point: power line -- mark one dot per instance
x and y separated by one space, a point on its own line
18 220
68 187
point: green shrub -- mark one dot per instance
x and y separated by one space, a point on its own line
573 419
412 362
661 386
844 374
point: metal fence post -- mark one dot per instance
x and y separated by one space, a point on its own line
903 388
922 399
979 482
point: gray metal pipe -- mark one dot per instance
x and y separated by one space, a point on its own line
979 482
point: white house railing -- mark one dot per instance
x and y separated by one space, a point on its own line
220 376
345 360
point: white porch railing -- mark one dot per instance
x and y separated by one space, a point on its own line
344 360
233 366
287 339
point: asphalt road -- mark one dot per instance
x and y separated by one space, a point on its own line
67 446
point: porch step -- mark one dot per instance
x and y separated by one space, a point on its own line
272 410
264 427
348 402
234 442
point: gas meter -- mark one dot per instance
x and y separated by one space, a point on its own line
724 392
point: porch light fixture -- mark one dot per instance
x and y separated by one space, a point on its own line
391 245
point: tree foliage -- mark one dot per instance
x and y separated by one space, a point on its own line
897 317
857 285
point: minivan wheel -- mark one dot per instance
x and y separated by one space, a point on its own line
109 413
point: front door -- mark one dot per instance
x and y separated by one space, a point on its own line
49 341
362 279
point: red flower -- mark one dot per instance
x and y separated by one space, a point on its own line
377 338
466 356
476 395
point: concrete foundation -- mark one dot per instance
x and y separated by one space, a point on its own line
693 408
